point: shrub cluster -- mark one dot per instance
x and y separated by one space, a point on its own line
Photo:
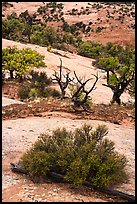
38 87
81 155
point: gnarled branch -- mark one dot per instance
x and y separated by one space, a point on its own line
83 102
62 84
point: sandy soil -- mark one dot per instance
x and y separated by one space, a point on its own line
19 135
115 31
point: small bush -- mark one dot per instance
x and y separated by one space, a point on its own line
33 93
37 87
51 92
24 93
49 48
81 155
99 29
40 77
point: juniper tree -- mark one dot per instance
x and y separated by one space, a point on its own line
119 76
20 61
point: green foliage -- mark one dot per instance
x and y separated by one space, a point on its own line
23 92
113 80
37 162
81 155
108 63
122 71
90 49
40 78
120 62
112 50
12 29
77 172
32 57
50 92
68 38
37 87
25 17
33 93
26 28
49 48
50 35
66 27
20 61
127 56
8 58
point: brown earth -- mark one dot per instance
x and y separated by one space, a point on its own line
115 31
113 113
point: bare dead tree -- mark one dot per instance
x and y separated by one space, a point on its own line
62 84
83 102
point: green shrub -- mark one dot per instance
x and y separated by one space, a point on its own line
90 49
51 92
40 78
33 93
37 162
37 87
23 92
81 155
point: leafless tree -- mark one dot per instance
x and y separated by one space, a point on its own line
62 84
83 102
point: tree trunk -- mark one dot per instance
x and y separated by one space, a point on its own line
11 74
29 38
116 98
20 79
62 93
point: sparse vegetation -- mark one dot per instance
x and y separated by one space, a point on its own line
29 28
84 154
99 29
